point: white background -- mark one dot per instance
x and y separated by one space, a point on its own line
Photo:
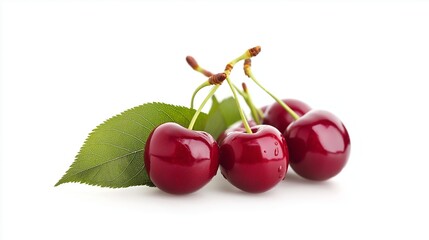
68 65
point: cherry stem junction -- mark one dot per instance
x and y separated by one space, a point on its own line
215 79
194 118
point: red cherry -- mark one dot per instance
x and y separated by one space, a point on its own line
254 162
276 115
179 160
319 145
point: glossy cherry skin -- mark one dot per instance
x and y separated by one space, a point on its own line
254 162
276 116
179 160
239 128
319 145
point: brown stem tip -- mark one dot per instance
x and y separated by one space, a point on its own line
228 67
192 62
194 65
247 65
217 78
244 86
255 51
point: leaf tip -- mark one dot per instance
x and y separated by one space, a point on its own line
61 181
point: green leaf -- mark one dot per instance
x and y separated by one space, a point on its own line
113 154
221 116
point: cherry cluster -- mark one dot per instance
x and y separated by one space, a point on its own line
253 156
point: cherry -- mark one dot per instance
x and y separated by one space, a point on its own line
254 162
319 145
179 160
276 116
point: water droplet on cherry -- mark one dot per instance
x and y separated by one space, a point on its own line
276 152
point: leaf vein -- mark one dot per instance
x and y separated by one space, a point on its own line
122 132
92 179
120 174
165 113
106 162
135 175
138 123
183 115
109 144
147 120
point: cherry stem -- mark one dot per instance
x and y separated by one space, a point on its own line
285 106
215 79
252 52
194 118
238 90
245 97
240 110
203 85
194 65
255 114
